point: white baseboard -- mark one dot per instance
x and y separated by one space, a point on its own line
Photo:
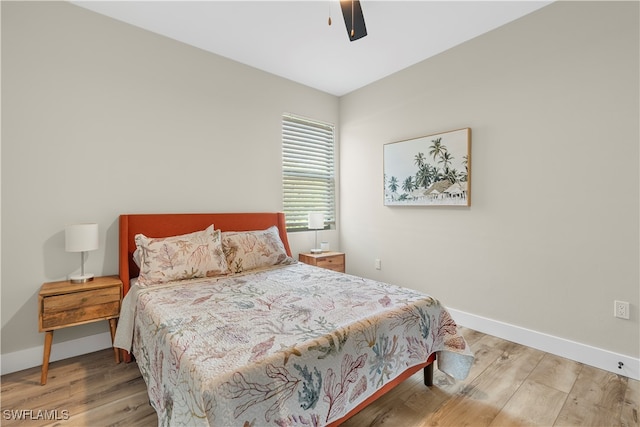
28 358
597 357
583 353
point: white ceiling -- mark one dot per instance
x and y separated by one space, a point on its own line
292 39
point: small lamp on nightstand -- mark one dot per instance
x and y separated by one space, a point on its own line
81 238
316 222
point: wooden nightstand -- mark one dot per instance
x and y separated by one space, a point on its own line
64 304
330 260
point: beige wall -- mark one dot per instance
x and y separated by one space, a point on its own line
101 118
551 238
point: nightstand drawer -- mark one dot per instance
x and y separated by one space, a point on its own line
65 318
79 307
335 263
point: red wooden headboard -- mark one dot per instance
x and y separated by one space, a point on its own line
165 225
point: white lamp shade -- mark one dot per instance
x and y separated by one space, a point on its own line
81 237
316 221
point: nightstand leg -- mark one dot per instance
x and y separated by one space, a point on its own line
48 339
112 327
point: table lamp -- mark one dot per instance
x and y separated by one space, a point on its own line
81 238
316 222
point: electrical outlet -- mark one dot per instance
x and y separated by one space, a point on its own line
621 309
378 264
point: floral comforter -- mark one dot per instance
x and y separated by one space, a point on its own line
293 345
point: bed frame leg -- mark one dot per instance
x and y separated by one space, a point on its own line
428 375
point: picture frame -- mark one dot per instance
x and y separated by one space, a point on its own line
432 170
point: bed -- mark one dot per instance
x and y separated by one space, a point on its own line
255 338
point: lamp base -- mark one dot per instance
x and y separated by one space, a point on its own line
81 279
316 251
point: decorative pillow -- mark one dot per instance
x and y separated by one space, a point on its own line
248 250
136 256
188 256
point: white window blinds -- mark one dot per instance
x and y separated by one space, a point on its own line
307 171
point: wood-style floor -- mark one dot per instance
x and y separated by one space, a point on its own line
509 385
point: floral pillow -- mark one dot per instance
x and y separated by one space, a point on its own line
248 250
188 256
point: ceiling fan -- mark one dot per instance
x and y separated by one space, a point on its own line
353 19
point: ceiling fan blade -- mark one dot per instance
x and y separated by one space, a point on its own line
353 19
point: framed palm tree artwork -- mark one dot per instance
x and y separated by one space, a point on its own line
433 170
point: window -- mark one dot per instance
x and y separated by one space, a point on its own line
307 171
